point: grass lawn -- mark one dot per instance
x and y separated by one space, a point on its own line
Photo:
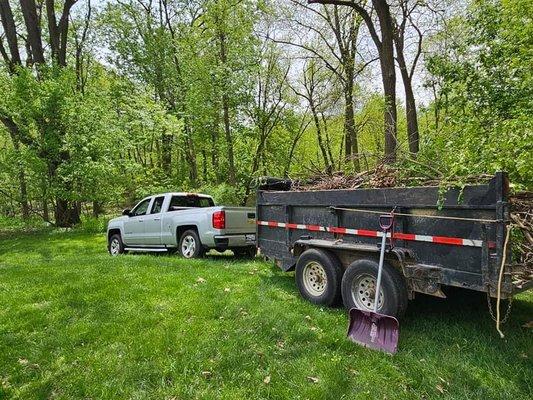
76 323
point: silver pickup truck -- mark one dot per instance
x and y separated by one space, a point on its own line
187 223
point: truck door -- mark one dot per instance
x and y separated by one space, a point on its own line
134 225
152 222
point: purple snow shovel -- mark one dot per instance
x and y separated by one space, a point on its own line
369 328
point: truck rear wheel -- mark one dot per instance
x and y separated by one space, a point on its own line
318 277
359 284
190 245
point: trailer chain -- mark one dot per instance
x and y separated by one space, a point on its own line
507 312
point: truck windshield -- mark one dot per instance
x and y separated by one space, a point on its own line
180 202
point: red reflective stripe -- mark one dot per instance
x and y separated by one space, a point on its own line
492 245
362 232
447 240
368 233
335 229
404 236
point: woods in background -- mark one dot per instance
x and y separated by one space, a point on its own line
104 102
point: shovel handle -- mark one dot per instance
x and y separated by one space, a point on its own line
380 269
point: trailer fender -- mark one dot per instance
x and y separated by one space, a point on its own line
398 255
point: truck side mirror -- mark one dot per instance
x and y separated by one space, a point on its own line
126 211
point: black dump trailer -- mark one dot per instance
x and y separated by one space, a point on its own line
439 238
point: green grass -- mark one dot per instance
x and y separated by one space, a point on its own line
76 323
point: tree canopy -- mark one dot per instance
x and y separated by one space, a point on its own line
104 102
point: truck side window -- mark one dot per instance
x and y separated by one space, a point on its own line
158 205
141 208
176 203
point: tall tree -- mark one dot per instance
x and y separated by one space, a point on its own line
384 42
337 35
51 130
269 104
407 9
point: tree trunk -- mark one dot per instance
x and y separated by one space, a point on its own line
97 208
166 152
412 118
190 156
229 141
46 214
31 20
204 166
351 146
388 75
66 213
214 152
10 31
410 103
225 109
321 146
23 193
23 190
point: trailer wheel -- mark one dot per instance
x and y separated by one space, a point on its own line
359 283
318 277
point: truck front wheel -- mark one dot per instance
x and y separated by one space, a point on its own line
115 246
318 276
190 245
359 288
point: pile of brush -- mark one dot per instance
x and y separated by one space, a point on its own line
382 176
522 220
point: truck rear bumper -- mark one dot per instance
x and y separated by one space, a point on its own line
224 242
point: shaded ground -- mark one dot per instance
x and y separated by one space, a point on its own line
76 323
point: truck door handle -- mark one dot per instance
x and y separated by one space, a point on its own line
157 219
141 220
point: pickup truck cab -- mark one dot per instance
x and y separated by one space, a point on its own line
187 223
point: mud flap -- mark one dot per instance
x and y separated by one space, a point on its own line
373 330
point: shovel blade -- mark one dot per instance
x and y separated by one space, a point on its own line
373 330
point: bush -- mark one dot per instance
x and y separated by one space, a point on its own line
93 225
224 194
17 224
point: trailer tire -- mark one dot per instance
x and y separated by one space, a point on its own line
318 277
363 275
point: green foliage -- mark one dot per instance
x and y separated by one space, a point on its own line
179 88
13 224
224 193
486 98
93 225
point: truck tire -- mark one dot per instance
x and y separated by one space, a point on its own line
318 277
115 246
189 245
358 284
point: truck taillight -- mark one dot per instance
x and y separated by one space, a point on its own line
219 219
